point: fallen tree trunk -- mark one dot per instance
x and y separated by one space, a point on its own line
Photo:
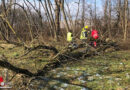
42 47
62 57
55 62
5 64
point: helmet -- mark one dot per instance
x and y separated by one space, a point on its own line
86 27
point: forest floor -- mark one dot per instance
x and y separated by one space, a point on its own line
109 71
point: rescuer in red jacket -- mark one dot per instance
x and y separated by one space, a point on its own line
1 81
95 36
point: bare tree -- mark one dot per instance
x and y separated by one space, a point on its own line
123 12
57 17
77 14
109 20
126 19
95 13
64 15
105 11
83 13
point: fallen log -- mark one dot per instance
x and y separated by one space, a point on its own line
29 50
55 62
5 64
61 57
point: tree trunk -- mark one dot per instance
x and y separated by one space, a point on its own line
83 13
77 14
64 15
95 14
52 18
109 20
105 15
126 19
3 10
57 17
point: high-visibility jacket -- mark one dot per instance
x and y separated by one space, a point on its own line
69 36
83 34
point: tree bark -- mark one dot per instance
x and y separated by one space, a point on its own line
105 15
109 20
126 19
57 17
83 13
95 14
52 18
64 15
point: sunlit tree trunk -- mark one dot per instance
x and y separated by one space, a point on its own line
57 17
95 14
126 19
105 16
109 20
83 13
52 18
64 16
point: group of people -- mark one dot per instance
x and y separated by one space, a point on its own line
85 34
